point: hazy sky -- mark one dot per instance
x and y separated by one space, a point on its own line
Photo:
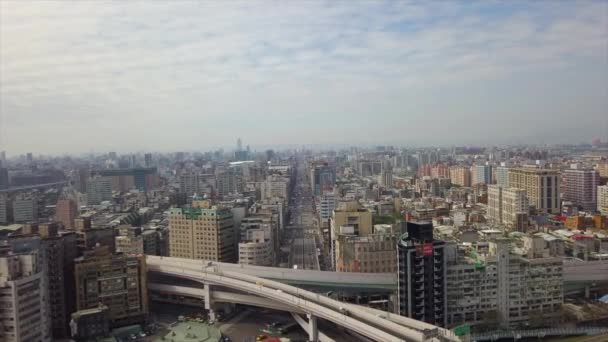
93 75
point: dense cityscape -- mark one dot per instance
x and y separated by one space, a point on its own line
242 245
303 171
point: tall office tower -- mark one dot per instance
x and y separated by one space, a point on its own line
423 159
29 157
56 255
483 174
602 200
3 158
99 189
239 144
385 178
541 185
460 175
327 204
422 292
188 183
322 178
23 313
502 175
199 233
508 206
112 155
275 186
228 182
4 184
82 179
115 280
580 187
132 161
66 212
4 209
52 250
494 211
25 208
148 160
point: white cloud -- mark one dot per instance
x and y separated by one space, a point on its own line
152 65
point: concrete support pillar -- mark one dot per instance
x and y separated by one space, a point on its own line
209 302
313 332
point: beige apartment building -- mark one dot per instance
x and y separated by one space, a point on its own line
373 253
508 206
460 175
541 185
201 233
602 199
352 214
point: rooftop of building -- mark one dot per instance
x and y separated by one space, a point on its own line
191 331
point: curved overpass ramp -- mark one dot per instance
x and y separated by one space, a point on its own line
364 321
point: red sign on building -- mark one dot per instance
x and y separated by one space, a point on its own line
427 249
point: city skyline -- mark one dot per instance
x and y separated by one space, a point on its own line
96 75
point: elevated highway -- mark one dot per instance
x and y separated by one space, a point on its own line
373 324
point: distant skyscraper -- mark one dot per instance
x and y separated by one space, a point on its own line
460 175
323 179
508 206
3 158
81 180
99 189
132 161
386 177
112 155
422 292
239 144
483 174
4 209
66 212
580 187
502 175
148 159
25 208
541 185
3 178
29 157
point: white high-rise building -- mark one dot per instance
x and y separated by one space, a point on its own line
327 204
23 310
99 189
502 175
501 287
580 187
602 199
25 208
508 206
256 249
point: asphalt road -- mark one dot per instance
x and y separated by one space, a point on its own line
300 233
